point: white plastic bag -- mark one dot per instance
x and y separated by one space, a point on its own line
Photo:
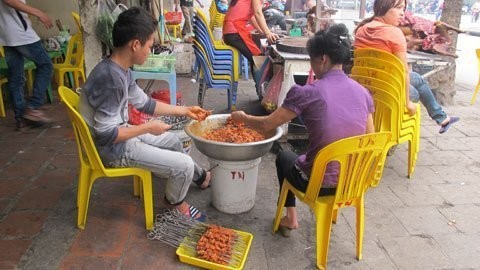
107 14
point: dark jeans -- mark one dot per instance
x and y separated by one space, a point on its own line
14 57
236 41
285 164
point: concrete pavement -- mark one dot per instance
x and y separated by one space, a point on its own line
431 221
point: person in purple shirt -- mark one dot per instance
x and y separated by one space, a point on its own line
332 107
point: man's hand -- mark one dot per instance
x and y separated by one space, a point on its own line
45 19
176 8
157 127
197 113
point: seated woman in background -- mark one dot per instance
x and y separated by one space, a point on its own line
235 32
333 107
381 32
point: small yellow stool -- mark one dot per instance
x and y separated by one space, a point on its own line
175 30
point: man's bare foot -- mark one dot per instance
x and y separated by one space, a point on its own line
206 182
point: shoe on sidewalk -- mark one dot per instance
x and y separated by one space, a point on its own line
447 125
22 125
36 115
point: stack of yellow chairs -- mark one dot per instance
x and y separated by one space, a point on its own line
216 18
91 166
358 158
382 72
74 62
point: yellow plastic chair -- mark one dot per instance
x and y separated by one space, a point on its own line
91 167
28 66
478 84
76 18
358 157
409 126
74 61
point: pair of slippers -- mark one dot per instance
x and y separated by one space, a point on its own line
444 128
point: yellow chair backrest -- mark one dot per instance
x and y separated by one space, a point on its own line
76 18
2 53
216 18
379 54
378 74
86 147
75 54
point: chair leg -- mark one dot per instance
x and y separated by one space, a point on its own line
84 197
474 97
334 216
137 186
360 226
147 200
323 215
2 108
281 202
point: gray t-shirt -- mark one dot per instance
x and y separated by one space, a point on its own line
104 103
15 27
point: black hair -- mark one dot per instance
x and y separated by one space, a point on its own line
380 8
133 23
334 42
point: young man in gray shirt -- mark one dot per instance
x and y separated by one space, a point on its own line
104 105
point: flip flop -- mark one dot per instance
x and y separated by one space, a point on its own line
193 212
199 183
445 127
284 231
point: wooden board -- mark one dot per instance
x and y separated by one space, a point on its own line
296 45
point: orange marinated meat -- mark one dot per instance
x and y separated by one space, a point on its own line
234 133
203 115
216 244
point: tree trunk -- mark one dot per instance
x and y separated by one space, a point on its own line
452 14
92 46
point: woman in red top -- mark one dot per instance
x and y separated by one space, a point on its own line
235 32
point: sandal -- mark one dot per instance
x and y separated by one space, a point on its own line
193 212
203 178
284 231
446 126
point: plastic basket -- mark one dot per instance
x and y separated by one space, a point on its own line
173 17
163 63
187 255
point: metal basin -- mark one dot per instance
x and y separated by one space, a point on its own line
228 151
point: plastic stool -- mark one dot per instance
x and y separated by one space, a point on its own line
175 30
171 78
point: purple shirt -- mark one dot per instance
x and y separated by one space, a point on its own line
332 108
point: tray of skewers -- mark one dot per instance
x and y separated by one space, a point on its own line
216 248
200 244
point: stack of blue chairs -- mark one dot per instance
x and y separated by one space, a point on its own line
218 63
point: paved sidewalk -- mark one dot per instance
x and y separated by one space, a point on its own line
429 222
